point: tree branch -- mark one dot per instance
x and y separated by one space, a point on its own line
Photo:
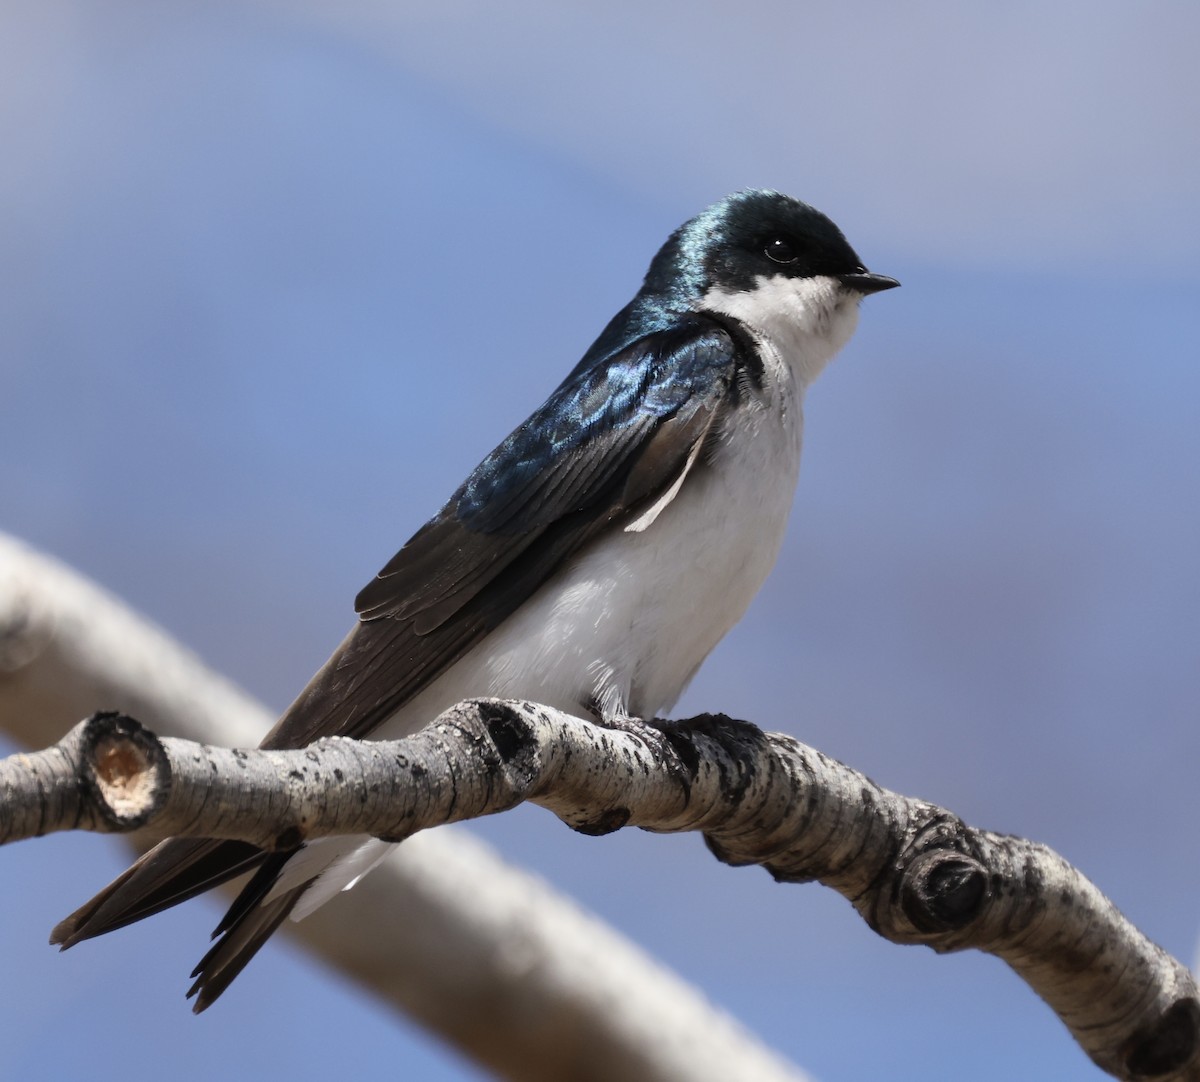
915 872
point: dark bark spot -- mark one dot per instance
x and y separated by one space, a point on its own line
508 730
1166 1045
943 890
291 838
741 741
784 876
605 823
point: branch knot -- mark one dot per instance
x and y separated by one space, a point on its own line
943 890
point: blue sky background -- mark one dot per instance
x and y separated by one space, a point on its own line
274 276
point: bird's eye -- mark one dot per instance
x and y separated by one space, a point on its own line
779 250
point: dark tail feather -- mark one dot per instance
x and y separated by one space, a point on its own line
172 872
179 869
243 930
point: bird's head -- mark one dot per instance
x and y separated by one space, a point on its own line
777 265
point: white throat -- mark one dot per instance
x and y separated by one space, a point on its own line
799 322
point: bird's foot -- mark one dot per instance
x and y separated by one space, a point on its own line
607 718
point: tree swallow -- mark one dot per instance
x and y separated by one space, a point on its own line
590 562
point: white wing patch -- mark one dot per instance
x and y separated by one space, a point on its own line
646 519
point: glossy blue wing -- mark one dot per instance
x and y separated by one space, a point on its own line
587 432
570 459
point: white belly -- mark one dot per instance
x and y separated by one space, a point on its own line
627 624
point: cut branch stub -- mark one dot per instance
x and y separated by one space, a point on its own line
124 769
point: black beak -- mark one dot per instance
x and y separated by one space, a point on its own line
864 282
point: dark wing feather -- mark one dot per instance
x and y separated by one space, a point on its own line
243 930
153 883
610 441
